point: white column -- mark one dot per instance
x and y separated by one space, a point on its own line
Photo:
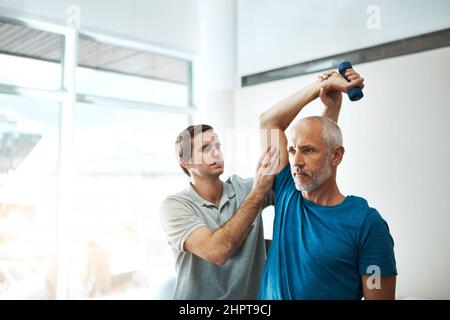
216 72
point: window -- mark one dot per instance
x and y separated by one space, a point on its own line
30 58
122 173
29 138
112 71
131 102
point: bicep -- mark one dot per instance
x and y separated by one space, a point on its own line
284 156
274 136
382 288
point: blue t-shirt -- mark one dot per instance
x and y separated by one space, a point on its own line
320 252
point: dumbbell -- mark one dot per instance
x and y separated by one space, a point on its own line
355 93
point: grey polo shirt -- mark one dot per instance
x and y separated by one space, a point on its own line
240 276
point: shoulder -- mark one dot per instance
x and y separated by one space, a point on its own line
240 184
180 197
359 207
368 213
367 216
374 220
177 202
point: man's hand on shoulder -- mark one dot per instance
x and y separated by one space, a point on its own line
266 171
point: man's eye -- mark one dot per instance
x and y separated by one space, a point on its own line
307 150
291 150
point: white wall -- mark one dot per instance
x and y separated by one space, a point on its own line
275 33
397 157
217 77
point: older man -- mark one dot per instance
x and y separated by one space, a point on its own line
325 245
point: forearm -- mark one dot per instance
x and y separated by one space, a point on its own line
281 114
227 238
332 113
385 291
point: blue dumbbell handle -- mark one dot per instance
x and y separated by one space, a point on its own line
356 93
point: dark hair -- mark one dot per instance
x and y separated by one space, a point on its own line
183 143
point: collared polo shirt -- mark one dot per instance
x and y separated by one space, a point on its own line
239 277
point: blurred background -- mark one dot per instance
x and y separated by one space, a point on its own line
93 94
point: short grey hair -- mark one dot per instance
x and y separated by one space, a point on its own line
331 133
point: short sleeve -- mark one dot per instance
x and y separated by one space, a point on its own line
268 199
282 181
376 246
178 220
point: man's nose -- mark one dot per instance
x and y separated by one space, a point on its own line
299 160
216 153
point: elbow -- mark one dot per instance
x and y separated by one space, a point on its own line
267 121
263 120
219 261
218 257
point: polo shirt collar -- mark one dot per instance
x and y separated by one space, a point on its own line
227 194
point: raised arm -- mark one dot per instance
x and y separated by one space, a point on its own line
274 121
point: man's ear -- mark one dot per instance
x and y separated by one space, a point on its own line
185 164
337 155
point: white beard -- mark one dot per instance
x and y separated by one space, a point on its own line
322 176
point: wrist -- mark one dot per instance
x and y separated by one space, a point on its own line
324 84
316 86
257 195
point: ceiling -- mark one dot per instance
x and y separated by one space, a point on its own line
23 41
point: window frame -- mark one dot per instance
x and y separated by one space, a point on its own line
68 97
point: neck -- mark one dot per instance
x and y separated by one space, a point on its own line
327 194
209 188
